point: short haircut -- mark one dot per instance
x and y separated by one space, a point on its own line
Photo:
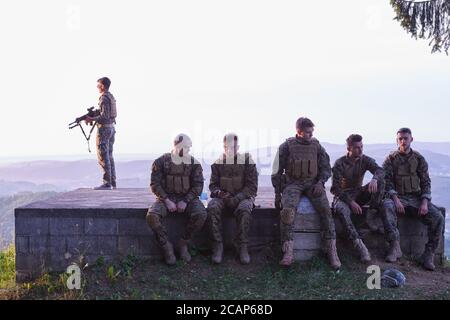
180 138
404 130
303 123
230 137
105 81
353 138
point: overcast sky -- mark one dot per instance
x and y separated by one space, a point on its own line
208 67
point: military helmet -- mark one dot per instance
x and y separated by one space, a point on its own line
392 278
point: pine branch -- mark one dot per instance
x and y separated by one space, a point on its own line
426 20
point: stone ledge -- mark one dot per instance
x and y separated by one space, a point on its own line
82 225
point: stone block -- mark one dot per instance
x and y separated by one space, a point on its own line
66 226
101 226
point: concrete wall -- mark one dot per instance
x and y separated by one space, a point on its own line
83 226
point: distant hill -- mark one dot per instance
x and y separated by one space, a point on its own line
7 206
134 171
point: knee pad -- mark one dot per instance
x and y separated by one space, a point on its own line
153 220
287 215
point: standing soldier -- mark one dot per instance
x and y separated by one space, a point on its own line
234 183
106 133
301 167
350 194
409 187
177 182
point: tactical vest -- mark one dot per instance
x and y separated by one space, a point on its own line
113 105
232 175
349 181
405 174
302 161
178 176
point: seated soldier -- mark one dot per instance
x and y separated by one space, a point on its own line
233 186
409 187
177 182
351 195
304 165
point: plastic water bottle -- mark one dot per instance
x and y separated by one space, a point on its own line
204 198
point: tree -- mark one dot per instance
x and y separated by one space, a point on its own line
426 20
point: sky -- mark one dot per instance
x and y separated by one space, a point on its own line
209 67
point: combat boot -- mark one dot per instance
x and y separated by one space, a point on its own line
105 186
217 255
184 251
331 251
244 257
428 260
169 256
395 252
364 254
288 250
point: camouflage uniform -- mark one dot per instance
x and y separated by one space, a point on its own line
407 177
298 166
178 182
106 137
239 177
348 186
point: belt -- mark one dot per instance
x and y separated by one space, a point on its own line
99 125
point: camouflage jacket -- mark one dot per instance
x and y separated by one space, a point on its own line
250 178
422 173
160 172
281 161
348 176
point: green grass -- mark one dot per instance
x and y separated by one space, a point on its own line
7 268
136 278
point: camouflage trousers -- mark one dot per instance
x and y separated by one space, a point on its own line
105 144
290 199
195 210
242 213
434 219
362 196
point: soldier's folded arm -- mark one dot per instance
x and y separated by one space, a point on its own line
156 180
197 181
425 181
324 167
279 165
